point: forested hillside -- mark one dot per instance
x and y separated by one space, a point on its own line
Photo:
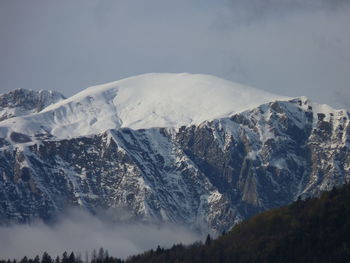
313 230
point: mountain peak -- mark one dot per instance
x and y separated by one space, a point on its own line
158 100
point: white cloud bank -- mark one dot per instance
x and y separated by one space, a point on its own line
80 232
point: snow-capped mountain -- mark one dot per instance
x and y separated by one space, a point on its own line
183 148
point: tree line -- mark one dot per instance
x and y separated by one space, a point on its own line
102 256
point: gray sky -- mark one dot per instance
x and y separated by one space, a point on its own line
290 47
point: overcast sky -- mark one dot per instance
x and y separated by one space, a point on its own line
290 47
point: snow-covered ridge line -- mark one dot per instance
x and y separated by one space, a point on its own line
145 101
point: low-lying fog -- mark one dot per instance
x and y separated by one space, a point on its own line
80 232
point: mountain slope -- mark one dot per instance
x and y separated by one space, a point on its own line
315 230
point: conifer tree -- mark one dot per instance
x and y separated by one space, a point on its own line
24 260
94 256
101 255
46 258
208 240
36 259
64 257
71 258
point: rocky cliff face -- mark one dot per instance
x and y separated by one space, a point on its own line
22 102
213 174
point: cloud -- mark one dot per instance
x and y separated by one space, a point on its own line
260 9
290 47
80 232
